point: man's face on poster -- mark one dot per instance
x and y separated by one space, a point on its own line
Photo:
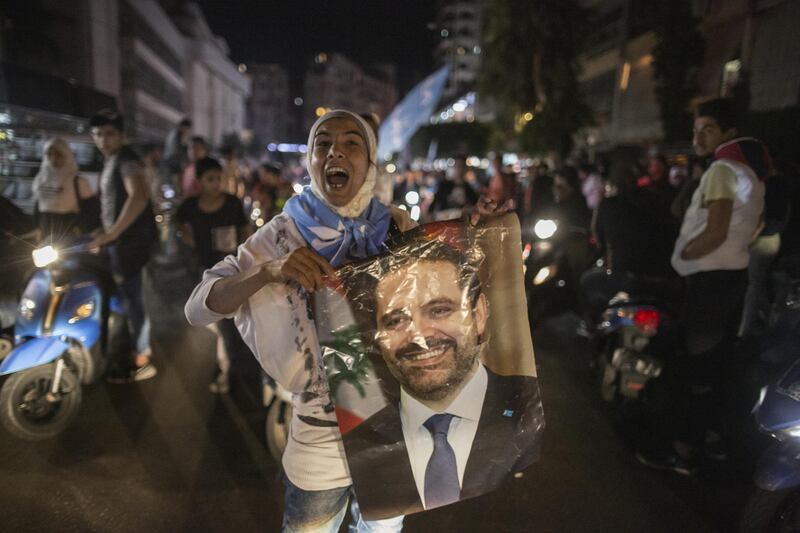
428 328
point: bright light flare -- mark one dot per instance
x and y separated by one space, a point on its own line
412 197
543 275
415 213
44 256
544 229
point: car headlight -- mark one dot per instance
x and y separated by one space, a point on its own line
84 310
544 274
44 256
544 229
26 308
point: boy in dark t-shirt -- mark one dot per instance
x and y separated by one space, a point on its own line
214 224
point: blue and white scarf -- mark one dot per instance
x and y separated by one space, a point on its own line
339 239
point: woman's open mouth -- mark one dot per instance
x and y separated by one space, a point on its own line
336 177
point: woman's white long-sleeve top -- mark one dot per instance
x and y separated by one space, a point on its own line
276 325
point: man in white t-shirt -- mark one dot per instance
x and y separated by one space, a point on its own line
712 253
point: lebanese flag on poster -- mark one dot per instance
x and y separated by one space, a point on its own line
354 387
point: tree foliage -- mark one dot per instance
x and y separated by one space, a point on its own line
348 360
677 56
453 138
530 64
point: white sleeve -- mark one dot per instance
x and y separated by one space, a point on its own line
257 249
196 309
274 321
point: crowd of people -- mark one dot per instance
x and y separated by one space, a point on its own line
701 231
708 221
216 198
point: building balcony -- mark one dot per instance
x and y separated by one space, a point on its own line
36 90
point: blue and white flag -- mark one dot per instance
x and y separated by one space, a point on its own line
414 111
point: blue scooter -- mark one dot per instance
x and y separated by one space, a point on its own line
65 322
774 504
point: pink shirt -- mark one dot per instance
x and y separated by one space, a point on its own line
189 183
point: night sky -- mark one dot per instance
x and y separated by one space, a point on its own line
291 32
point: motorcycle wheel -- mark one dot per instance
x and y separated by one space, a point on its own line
279 420
25 410
777 511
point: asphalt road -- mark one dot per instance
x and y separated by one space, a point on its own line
167 455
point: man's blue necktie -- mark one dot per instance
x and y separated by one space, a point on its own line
441 474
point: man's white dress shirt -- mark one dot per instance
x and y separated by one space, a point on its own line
466 409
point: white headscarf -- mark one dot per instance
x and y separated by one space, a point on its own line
361 200
55 187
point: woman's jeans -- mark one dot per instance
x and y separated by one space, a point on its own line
323 511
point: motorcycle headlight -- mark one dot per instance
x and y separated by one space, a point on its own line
790 433
26 308
44 256
544 229
544 274
84 310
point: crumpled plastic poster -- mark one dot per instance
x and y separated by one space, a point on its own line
431 368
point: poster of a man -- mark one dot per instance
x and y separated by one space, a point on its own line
451 428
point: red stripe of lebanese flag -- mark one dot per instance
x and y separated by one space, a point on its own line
347 419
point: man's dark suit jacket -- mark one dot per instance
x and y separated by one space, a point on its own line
507 441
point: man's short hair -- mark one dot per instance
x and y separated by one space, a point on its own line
201 166
272 168
723 110
107 117
361 282
185 123
199 140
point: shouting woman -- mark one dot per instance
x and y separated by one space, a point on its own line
266 287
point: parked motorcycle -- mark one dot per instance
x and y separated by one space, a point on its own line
633 340
774 504
66 320
17 230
